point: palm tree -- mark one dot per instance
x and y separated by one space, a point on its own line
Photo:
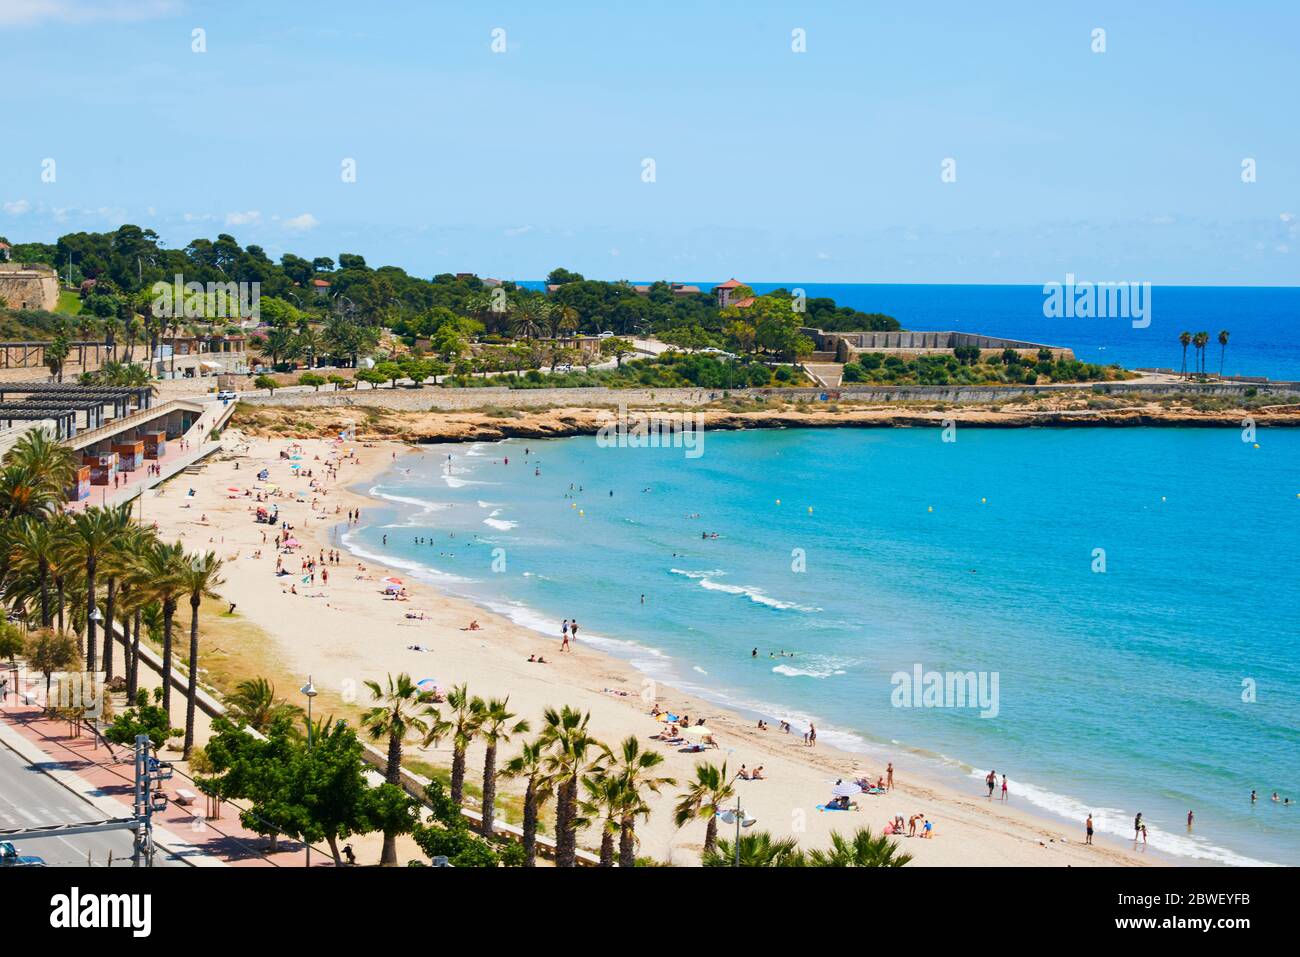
33 548
1185 338
530 766
861 850
94 532
706 797
756 850
573 755
117 565
163 567
463 724
1201 340
635 770
48 467
1223 348
200 578
494 725
394 718
606 800
254 703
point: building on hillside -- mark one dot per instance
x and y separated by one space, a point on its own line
726 292
29 286
4 251
322 286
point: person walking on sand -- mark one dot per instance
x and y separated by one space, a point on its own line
889 777
1088 825
573 630
1137 827
564 634
812 735
1004 787
1190 818
991 780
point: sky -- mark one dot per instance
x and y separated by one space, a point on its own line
942 142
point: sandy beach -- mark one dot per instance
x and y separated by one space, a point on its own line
347 631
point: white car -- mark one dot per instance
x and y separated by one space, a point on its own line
226 395
606 335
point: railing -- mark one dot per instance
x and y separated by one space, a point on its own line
140 415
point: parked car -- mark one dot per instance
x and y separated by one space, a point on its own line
606 335
227 395
9 857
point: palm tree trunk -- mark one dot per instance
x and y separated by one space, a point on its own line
45 593
711 835
133 681
193 687
457 775
530 825
109 602
58 592
566 837
489 788
333 842
169 612
606 846
627 844
92 646
388 857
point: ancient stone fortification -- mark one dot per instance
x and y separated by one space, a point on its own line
29 286
846 346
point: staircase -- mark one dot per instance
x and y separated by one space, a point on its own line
823 368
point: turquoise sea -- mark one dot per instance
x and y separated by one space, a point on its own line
1119 691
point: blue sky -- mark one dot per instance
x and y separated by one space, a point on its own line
769 164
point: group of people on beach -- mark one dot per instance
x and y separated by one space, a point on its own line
568 631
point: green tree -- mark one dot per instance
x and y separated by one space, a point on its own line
860 850
200 576
495 727
394 718
253 702
144 717
756 850
706 797
530 767
465 718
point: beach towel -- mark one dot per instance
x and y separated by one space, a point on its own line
825 807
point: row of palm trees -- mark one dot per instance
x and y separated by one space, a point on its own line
1201 340
72 573
590 782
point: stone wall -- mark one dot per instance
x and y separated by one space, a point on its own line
31 286
428 398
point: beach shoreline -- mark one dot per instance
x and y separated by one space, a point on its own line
347 634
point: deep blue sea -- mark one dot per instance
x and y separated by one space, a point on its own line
1263 322
1122 687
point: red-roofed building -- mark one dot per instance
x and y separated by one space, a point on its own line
322 286
725 291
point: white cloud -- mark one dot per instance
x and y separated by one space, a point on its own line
24 13
243 219
302 223
17 207
519 230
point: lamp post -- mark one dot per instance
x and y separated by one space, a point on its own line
309 690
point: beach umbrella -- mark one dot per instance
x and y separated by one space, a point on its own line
395 581
427 684
699 732
845 789
665 717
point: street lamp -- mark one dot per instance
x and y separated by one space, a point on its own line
309 690
739 818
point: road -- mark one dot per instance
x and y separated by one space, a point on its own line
31 798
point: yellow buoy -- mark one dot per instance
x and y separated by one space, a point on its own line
778 501
930 509
1256 445
582 513
809 509
984 501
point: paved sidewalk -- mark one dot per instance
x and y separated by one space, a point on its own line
106 779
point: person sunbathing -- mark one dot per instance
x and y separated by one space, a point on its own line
758 774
